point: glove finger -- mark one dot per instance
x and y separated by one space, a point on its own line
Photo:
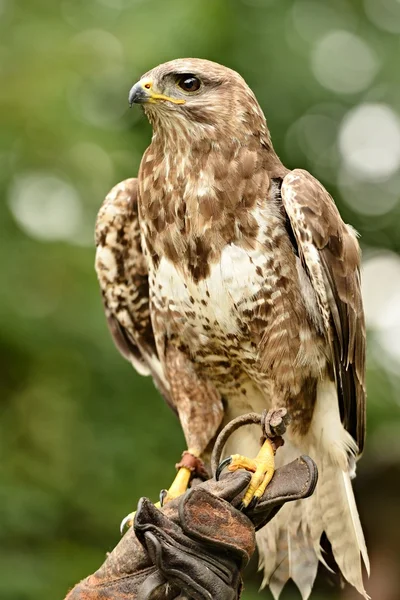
229 486
213 521
293 481
148 516
147 512
196 574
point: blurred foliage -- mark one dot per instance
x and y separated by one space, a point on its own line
82 436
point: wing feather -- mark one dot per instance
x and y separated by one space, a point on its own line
122 274
330 254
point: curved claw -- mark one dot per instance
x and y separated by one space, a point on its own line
253 503
126 522
225 463
163 495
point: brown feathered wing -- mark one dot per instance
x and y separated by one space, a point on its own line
330 254
122 273
290 544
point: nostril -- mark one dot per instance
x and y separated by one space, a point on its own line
147 86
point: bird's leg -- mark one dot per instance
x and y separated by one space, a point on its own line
178 487
263 465
189 466
200 411
264 469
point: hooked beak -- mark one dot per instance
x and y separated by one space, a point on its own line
142 92
139 94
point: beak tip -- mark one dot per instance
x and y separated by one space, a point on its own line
137 95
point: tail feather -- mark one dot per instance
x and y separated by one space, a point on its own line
286 552
312 524
268 542
303 562
342 524
356 521
280 571
289 546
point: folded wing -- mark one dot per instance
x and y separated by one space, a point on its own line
122 274
330 254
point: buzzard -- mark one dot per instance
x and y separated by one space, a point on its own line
235 284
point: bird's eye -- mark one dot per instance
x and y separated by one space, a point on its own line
189 83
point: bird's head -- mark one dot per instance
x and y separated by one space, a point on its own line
198 97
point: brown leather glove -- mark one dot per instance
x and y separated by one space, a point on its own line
198 544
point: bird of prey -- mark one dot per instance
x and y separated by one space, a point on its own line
235 284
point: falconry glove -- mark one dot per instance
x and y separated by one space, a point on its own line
196 546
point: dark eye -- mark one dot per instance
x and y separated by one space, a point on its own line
189 83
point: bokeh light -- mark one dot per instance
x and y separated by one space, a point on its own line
313 138
385 14
45 206
381 293
343 62
369 141
314 20
97 99
370 198
99 43
92 159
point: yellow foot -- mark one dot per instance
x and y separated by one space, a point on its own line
178 487
262 467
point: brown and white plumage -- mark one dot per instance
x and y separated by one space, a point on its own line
123 278
330 254
235 284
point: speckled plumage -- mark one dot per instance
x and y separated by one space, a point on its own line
235 284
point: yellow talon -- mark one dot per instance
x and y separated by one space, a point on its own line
242 462
262 467
179 485
182 478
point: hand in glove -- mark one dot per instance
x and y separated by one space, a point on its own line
197 545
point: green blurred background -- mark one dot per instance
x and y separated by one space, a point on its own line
83 436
